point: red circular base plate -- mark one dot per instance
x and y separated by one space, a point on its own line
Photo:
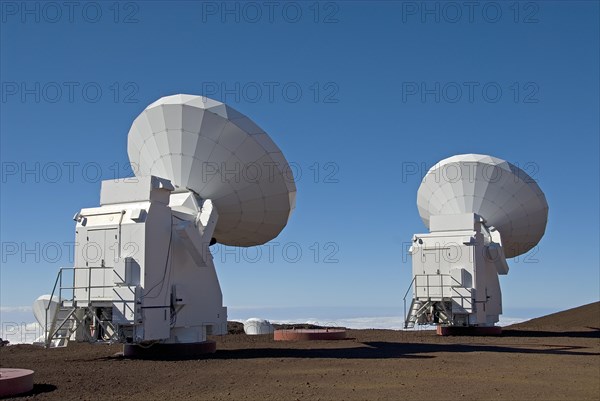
309 334
469 331
15 381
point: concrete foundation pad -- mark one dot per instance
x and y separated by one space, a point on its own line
15 381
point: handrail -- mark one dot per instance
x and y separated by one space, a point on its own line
454 284
46 328
404 299
58 283
452 287
410 286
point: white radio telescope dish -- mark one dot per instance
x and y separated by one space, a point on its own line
500 192
39 309
220 154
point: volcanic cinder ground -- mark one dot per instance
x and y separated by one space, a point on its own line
556 357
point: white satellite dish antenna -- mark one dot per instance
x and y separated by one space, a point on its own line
39 307
220 154
144 275
500 192
480 210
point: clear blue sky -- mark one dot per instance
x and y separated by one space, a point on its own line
385 86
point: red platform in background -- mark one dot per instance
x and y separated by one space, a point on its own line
309 334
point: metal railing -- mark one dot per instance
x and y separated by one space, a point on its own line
404 299
454 284
50 332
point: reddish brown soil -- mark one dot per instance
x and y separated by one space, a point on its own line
583 316
553 358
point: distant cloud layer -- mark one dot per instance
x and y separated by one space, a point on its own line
27 333
12 309
20 333
382 322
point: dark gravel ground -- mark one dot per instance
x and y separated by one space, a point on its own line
553 358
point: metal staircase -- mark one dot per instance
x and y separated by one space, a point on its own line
62 326
417 309
437 299
72 321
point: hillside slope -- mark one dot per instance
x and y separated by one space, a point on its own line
586 316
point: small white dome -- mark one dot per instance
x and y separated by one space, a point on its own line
255 326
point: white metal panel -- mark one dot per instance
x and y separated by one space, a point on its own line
156 323
125 309
173 115
100 252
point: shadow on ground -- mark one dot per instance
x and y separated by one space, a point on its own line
38 388
385 350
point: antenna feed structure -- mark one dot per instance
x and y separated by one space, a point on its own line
480 210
